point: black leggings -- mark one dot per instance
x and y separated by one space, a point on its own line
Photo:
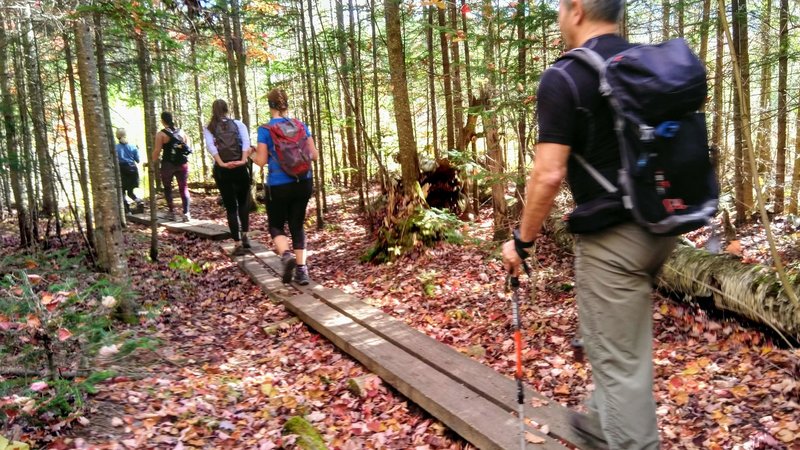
287 203
234 186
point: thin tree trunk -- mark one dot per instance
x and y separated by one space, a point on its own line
455 66
468 70
108 231
446 80
375 92
197 104
704 27
432 84
523 116
102 69
665 19
744 182
355 101
83 176
764 131
716 127
783 69
15 166
27 160
150 129
232 67
347 94
36 96
241 60
317 107
409 160
793 200
495 152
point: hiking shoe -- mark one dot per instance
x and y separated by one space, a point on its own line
289 263
239 250
245 241
301 275
170 216
591 435
186 217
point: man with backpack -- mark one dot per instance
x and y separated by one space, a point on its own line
286 146
620 159
228 142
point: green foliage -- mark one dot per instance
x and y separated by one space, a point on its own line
428 280
418 226
184 264
56 316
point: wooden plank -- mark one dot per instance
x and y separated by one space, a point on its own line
203 229
475 418
144 218
482 379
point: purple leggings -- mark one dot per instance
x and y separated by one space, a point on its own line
181 173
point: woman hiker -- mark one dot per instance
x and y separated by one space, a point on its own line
228 142
174 163
287 147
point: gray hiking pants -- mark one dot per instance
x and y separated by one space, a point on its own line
615 271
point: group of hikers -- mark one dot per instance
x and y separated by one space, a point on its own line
284 144
581 137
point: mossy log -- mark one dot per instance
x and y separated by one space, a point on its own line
751 290
308 437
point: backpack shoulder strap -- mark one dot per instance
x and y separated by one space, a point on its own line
592 59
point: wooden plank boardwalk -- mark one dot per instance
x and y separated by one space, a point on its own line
472 399
202 228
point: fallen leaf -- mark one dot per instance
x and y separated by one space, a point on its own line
64 334
534 439
39 386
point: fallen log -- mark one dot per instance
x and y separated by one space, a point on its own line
750 290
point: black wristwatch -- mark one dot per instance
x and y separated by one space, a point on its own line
520 245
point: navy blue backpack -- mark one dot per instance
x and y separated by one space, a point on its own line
667 180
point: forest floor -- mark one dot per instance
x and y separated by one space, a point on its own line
219 380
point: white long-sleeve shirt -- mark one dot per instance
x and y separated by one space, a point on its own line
243 135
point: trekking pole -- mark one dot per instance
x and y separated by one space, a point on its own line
512 282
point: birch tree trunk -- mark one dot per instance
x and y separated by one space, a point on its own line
108 230
409 160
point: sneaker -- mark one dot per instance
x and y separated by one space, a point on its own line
170 216
239 250
301 275
289 263
590 434
245 241
186 217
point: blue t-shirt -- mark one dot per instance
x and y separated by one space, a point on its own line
128 155
276 175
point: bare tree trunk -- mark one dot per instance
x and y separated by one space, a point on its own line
455 66
744 182
108 231
796 166
716 127
27 160
783 69
347 94
522 109
665 19
468 70
446 81
197 104
495 152
315 57
375 92
355 101
704 27
432 84
35 86
16 169
241 60
83 176
409 160
764 130
150 130
232 67
102 69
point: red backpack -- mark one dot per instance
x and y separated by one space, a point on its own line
291 146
